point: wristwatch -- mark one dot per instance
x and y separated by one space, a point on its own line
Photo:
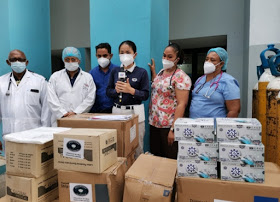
172 129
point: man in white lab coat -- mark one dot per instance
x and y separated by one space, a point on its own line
70 90
23 97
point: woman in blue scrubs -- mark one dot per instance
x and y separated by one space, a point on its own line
216 93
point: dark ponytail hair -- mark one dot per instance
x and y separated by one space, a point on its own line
179 52
131 44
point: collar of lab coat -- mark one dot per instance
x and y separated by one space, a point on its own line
23 80
78 77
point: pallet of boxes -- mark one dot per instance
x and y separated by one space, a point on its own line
88 167
225 148
29 166
126 126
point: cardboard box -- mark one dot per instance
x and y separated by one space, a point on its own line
195 189
4 199
151 179
197 151
2 166
197 168
244 154
30 153
195 130
2 185
237 172
107 186
44 188
85 150
239 130
127 130
131 159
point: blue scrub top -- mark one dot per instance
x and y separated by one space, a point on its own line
215 106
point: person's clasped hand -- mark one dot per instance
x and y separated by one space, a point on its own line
124 87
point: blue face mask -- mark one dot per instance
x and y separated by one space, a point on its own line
18 67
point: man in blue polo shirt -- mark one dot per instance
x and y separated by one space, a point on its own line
101 75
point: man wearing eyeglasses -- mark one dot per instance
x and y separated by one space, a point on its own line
70 90
23 97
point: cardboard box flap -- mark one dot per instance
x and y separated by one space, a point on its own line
148 168
87 116
272 167
34 136
86 131
112 170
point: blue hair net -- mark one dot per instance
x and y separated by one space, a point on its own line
222 53
71 52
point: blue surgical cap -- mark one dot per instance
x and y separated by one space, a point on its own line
222 53
71 52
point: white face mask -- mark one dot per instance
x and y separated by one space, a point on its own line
209 67
167 64
126 59
103 62
18 67
71 66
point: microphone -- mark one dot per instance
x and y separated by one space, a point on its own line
121 78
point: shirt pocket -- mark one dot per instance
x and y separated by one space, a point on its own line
32 97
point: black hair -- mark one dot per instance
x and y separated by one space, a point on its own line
131 44
104 45
179 52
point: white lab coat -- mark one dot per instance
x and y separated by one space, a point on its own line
63 98
26 107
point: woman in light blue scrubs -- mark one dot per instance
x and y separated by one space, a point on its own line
216 93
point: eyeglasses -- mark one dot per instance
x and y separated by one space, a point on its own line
68 59
17 59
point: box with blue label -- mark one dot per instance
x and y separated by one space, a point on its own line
236 172
85 150
194 130
198 169
197 151
239 130
92 187
196 189
150 178
244 154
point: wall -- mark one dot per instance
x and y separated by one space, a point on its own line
264 29
25 25
4 36
143 22
69 23
200 18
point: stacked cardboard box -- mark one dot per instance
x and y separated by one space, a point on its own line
29 158
241 152
195 189
93 187
88 168
127 130
197 149
151 179
85 150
